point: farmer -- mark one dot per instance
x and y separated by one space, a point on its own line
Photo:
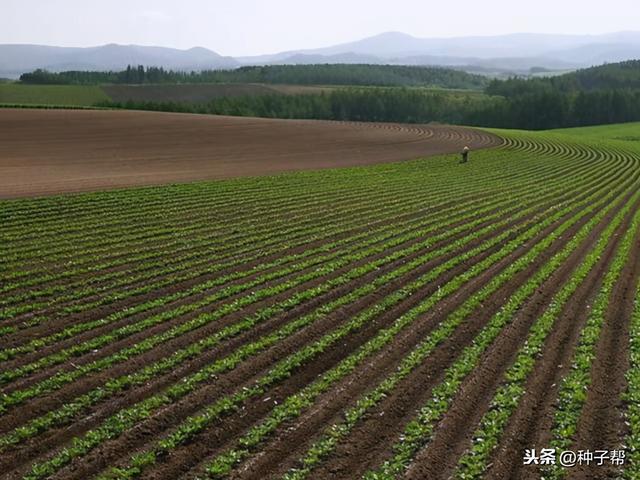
465 155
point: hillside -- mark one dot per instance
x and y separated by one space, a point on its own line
613 76
517 53
18 59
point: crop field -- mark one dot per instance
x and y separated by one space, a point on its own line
89 95
201 93
419 319
56 95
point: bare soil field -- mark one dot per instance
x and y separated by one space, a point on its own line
57 151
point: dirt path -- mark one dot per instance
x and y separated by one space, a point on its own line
46 152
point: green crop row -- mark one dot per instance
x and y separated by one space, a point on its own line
93 239
100 266
420 430
323 447
114 426
474 463
632 395
262 316
346 253
78 328
334 434
249 241
574 387
379 341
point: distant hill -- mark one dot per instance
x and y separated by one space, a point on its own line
621 76
501 54
516 53
18 59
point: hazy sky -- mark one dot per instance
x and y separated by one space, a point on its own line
249 27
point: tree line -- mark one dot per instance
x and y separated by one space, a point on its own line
329 74
532 111
399 104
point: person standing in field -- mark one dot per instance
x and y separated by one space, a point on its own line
465 154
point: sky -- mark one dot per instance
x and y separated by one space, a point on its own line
253 27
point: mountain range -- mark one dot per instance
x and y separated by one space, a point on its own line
514 53
18 59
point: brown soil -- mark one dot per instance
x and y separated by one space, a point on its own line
58 151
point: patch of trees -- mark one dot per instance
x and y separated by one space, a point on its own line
599 95
613 76
329 74
554 109
132 75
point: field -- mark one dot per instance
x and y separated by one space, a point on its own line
420 319
89 95
56 151
59 95
201 93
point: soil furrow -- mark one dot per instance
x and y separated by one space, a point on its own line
602 423
53 437
407 340
453 433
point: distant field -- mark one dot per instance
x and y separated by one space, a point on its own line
90 95
629 132
72 95
200 93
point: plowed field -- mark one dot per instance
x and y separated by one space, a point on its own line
59 151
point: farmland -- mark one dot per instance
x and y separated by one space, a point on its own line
90 95
57 95
415 319
201 93
58 151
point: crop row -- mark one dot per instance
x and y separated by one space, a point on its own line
294 403
419 431
102 265
265 314
337 432
78 328
474 464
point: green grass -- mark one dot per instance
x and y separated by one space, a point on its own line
58 95
620 131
